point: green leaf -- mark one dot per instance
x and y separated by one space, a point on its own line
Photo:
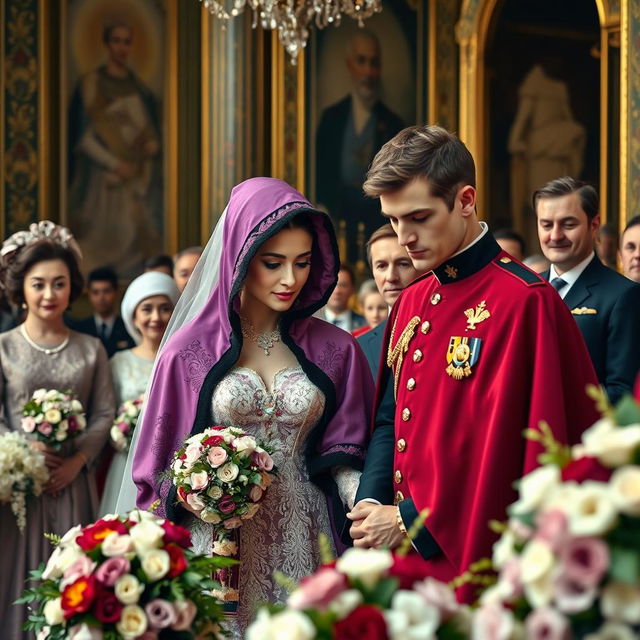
624 564
627 411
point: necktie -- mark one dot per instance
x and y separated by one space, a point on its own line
558 283
103 332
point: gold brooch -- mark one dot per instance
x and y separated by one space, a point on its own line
477 315
584 311
451 272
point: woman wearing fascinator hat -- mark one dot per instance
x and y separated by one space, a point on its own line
244 349
39 272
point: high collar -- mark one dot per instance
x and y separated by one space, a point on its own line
469 261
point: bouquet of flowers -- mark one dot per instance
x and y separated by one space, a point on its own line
22 473
222 474
569 556
124 578
54 416
122 430
370 594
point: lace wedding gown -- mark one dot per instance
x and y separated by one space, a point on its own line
283 535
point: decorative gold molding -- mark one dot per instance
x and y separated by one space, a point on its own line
171 134
432 109
624 112
45 195
277 107
3 142
205 124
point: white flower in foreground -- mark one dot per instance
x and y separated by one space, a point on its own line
128 589
344 603
625 489
621 603
53 613
366 565
133 622
534 487
228 472
146 535
560 497
493 622
503 549
612 631
84 632
536 561
411 617
286 625
592 512
116 545
612 445
155 564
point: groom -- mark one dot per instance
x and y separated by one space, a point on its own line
477 350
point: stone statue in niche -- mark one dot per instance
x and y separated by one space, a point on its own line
545 142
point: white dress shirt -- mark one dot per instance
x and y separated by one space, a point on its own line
570 276
342 320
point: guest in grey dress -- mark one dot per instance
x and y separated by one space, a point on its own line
43 275
146 309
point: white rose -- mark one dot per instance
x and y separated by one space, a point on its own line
39 394
225 547
61 559
534 487
214 492
228 472
53 613
53 416
625 489
52 394
344 603
411 617
612 445
540 592
612 631
244 446
84 632
71 535
116 545
210 516
591 512
536 560
198 480
561 497
61 436
132 410
366 565
76 406
128 589
146 535
195 502
140 515
155 564
64 425
81 422
177 465
621 603
133 622
504 549
289 624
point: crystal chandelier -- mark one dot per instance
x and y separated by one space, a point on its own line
292 18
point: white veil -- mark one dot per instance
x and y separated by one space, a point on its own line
201 283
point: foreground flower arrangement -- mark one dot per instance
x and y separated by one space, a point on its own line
22 474
53 416
569 556
125 578
121 432
366 594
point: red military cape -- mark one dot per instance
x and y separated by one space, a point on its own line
459 442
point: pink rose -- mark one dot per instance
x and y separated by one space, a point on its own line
226 504
572 596
123 426
585 560
195 502
546 623
255 493
232 523
160 613
216 456
110 570
438 595
45 428
318 590
28 424
81 568
552 528
262 460
492 622
185 613
199 480
510 582
191 454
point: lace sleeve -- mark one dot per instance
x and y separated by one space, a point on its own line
347 480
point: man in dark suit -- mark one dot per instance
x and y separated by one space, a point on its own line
605 304
348 137
337 309
105 323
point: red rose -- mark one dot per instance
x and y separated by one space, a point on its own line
408 569
78 596
177 561
107 608
213 441
365 621
586 468
182 494
175 533
95 533
226 504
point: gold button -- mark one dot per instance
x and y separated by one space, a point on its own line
505 260
406 415
399 496
411 384
426 325
398 477
417 355
401 445
435 298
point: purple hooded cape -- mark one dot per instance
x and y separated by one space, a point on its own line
201 352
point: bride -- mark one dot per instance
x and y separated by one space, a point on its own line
244 350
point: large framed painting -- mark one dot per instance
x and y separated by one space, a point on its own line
116 124
363 85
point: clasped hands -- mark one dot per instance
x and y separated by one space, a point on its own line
62 471
375 526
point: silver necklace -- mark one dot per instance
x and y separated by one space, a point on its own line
49 351
265 341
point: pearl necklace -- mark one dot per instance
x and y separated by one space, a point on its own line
265 341
49 351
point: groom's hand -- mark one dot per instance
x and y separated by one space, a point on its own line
375 526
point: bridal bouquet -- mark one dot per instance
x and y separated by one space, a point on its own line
54 416
122 430
22 473
222 474
370 594
125 577
569 556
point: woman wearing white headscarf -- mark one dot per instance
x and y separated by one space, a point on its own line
146 308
